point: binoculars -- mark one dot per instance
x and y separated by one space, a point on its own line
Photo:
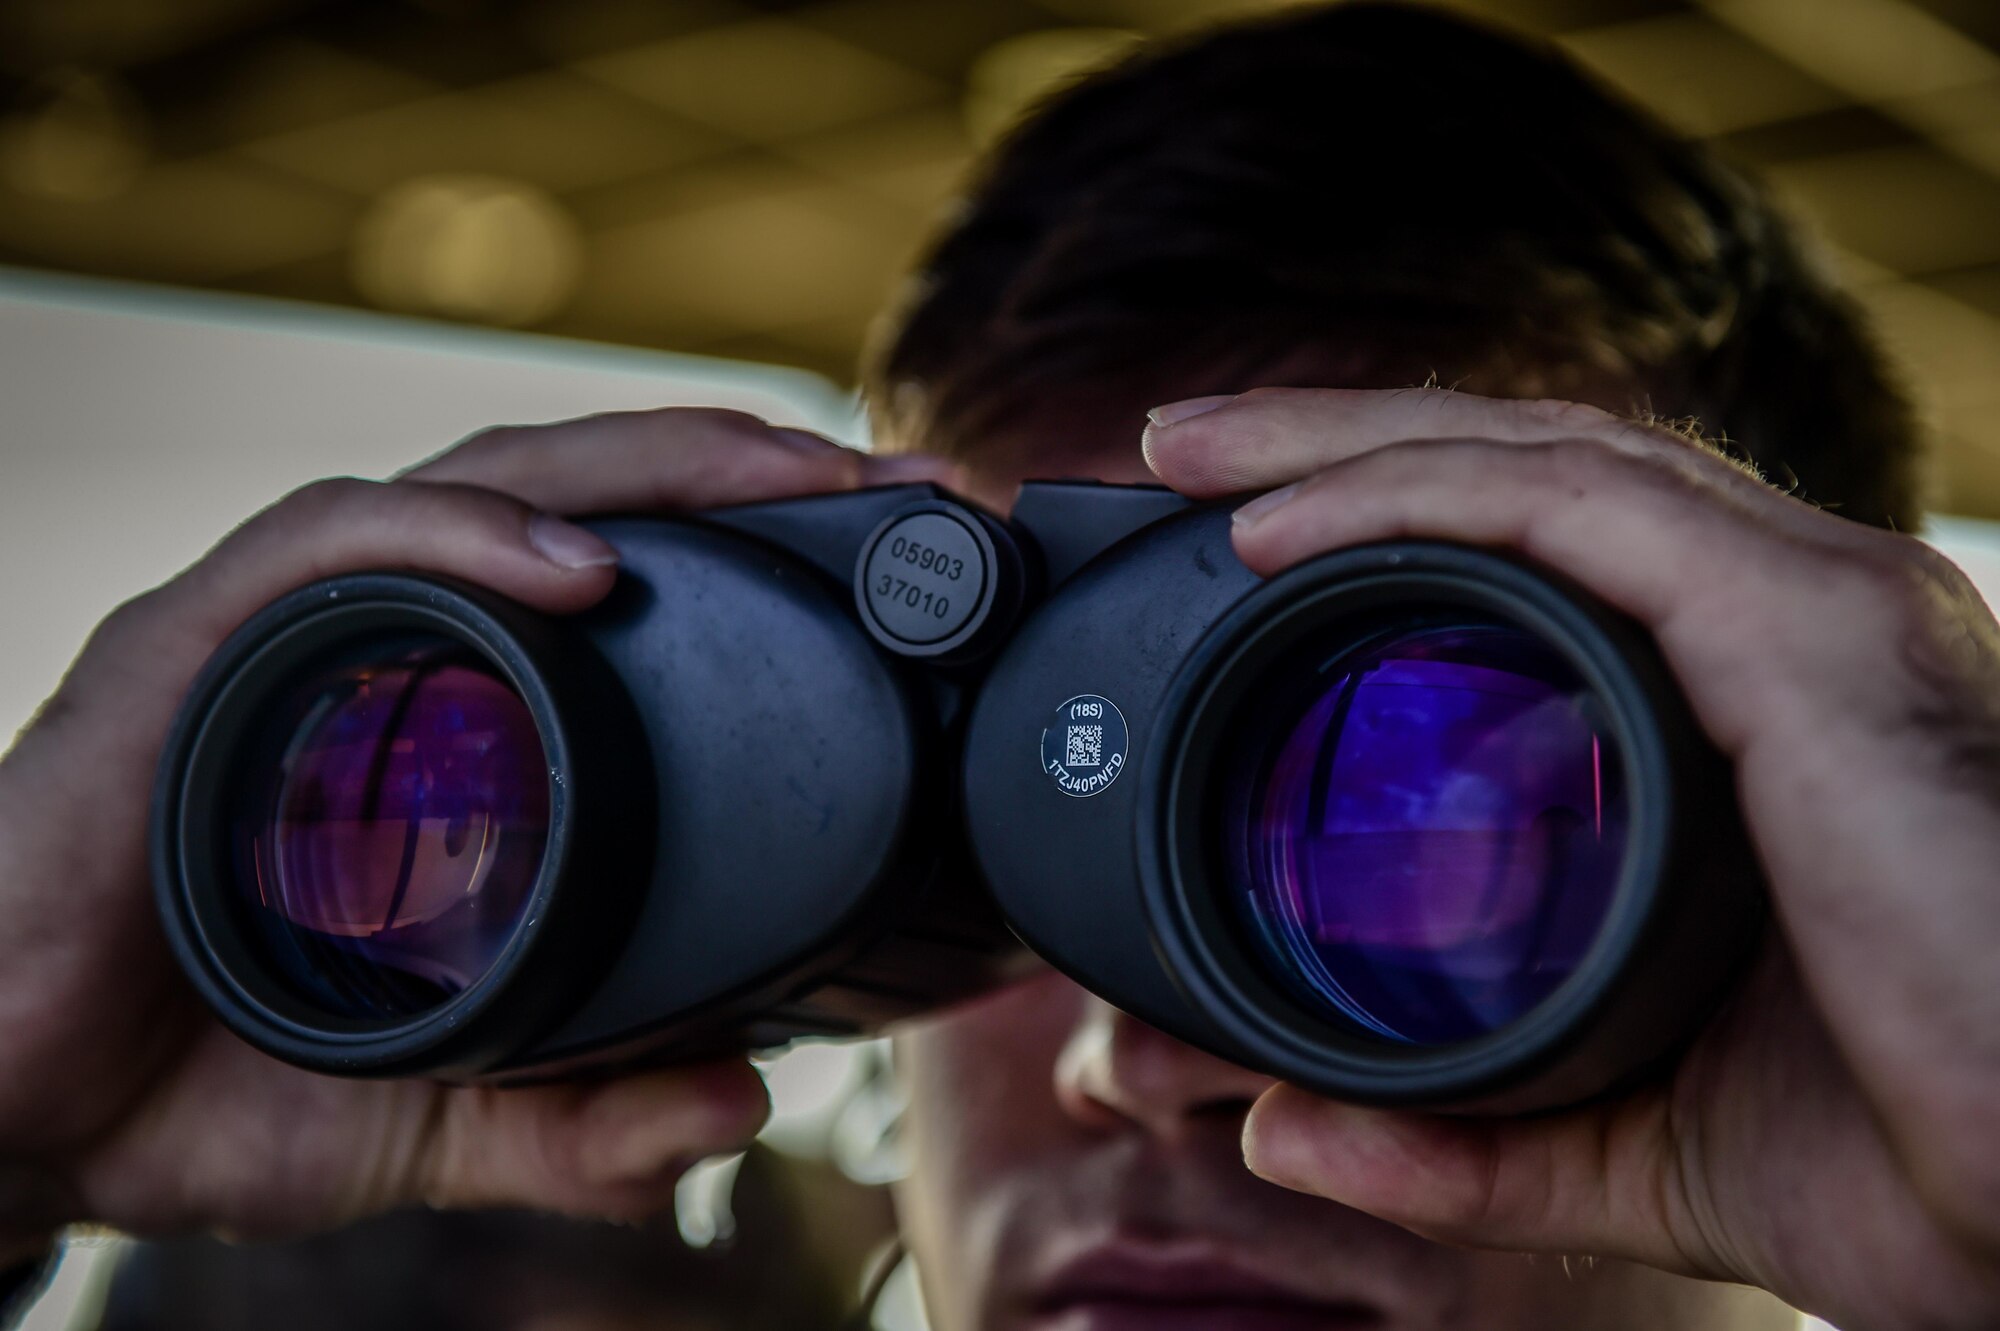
1411 823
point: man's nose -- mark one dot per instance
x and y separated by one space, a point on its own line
1116 1070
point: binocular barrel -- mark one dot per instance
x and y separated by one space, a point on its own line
1412 824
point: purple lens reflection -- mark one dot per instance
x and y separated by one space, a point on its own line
391 826
1426 843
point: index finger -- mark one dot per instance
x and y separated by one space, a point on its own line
1210 447
673 457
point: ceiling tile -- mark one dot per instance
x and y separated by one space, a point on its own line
201 221
1159 16
553 129
765 80
1702 78
1967 108
1544 16
1976 287
941 40
752 175
1963 120
839 336
45 33
1842 130
781 349
290 84
1912 210
1951 351
1977 19
917 160
1873 50
767 261
724 178
574 29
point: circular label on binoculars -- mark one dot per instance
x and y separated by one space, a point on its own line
1084 751
924 578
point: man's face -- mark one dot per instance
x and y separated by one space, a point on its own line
1076 1170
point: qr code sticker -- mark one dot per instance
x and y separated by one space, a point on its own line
1084 747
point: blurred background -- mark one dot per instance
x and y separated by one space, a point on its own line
746 179
472 211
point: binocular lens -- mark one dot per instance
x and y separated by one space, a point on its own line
1423 836
388 826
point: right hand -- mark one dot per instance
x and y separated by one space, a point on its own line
122 1100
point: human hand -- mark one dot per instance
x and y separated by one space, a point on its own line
1834 1135
122 1100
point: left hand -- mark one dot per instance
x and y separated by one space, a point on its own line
1834 1135
125 1102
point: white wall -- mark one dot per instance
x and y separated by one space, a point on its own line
138 424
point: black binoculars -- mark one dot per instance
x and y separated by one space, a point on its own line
1411 823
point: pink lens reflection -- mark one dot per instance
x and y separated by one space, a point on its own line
1428 846
396 830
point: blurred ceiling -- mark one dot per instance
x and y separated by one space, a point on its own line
747 179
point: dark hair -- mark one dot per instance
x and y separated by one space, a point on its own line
1379 195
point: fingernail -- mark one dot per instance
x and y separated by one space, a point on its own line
803 441
1257 1155
1264 505
1271 1150
1175 412
1286 1133
567 545
908 468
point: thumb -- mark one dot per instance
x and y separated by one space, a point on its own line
610 1149
1599 1180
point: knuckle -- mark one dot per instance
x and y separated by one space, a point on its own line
1940 575
317 500
1591 467
1564 414
1671 473
122 633
1641 433
1583 459
1911 599
128 617
724 416
484 444
718 420
311 505
488 455
1895 581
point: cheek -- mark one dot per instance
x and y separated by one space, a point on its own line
980 1079
981 1122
